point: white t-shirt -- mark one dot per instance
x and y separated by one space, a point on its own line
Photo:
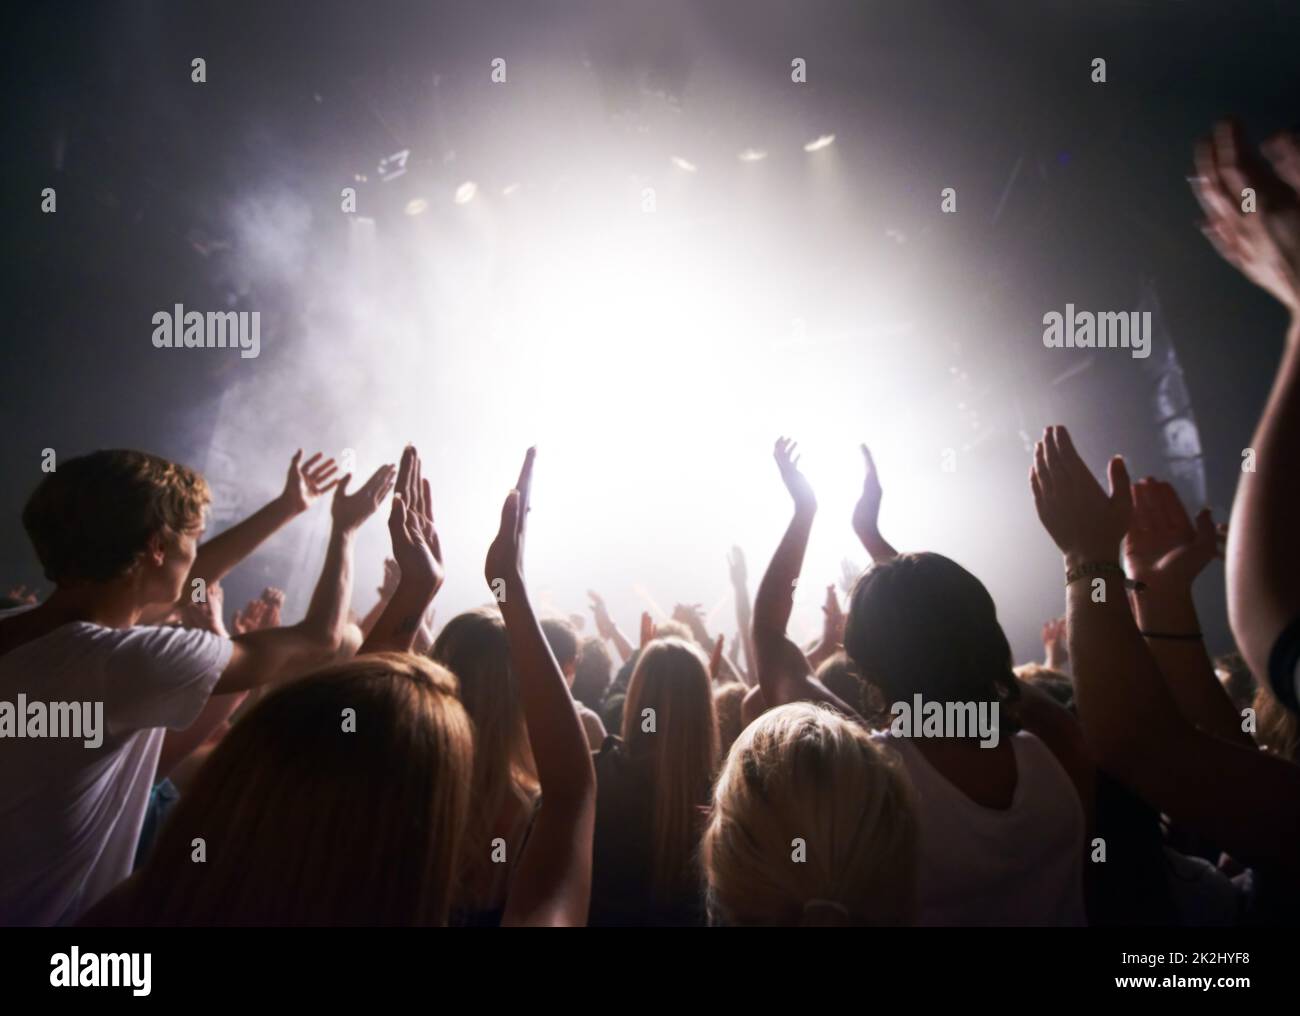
70 816
1018 866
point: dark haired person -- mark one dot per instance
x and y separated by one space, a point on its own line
1002 819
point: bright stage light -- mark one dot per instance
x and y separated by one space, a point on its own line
653 358
817 144
752 155
416 206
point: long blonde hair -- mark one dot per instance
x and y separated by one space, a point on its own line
474 647
679 755
803 779
311 815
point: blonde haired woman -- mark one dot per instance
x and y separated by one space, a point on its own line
812 824
653 788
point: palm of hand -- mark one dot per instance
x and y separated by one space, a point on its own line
351 510
1152 554
787 461
418 555
306 481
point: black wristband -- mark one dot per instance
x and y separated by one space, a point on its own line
1283 661
1173 636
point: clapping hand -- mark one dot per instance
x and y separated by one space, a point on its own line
351 510
866 513
1163 547
505 557
206 614
1056 644
416 548
307 480
1264 244
786 453
1086 523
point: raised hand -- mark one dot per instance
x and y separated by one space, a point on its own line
1056 652
307 481
1086 523
505 557
832 620
1264 245
866 513
786 453
1163 547
693 617
273 600
250 618
648 630
351 510
604 623
262 612
399 626
206 615
736 567
849 573
715 659
416 547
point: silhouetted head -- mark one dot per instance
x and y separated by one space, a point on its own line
921 623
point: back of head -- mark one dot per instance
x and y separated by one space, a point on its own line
804 778
837 673
922 624
92 517
671 730
563 640
474 647
1055 683
308 819
671 629
595 670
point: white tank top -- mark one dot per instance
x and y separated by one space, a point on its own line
1022 865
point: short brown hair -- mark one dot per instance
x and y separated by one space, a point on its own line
92 517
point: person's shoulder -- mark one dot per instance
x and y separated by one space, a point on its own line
169 644
169 636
